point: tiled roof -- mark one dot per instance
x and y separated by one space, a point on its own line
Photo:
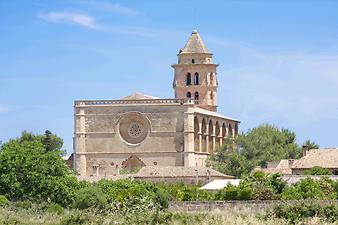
282 167
179 171
211 113
194 44
138 95
326 158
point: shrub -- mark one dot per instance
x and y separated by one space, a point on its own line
3 201
310 189
162 198
29 172
317 170
90 197
304 210
56 209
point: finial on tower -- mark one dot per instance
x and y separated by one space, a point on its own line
194 31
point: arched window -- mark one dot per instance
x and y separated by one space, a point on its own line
196 79
188 82
189 94
196 95
193 61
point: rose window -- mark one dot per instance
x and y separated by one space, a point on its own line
135 130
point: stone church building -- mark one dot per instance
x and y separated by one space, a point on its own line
141 130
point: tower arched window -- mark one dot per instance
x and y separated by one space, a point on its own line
196 96
188 81
188 94
196 79
193 61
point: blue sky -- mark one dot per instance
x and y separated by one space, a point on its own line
278 60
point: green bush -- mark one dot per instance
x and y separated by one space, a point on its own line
29 171
304 210
56 209
310 189
317 170
232 192
90 197
3 201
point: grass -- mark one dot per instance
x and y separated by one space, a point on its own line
43 215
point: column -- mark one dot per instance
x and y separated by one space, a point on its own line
200 136
207 138
213 138
221 136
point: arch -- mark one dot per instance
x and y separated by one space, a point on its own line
236 128
204 135
230 130
210 133
196 96
188 94
224 127
217 133
212 76
196 79
212 95
193 61
196 136
188 80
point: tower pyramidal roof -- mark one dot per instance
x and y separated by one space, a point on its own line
195 44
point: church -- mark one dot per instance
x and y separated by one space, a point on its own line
141 130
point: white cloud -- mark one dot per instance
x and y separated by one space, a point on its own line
293 87
115 8
70 17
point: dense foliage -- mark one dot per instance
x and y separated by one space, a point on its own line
31 170
297 212
257 147
317 170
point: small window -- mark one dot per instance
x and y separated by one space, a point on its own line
155 163
188 94
188 81
196 95
196 79
193 61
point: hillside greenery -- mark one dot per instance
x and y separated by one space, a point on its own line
34 180
260 145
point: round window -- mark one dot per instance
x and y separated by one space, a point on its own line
133 128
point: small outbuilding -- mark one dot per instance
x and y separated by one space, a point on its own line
216 185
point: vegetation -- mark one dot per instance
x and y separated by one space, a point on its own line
317 170
260 145
36 187
303 210
31 170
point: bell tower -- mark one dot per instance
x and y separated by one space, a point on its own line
195 74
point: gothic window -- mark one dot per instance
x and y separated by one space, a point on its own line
211 98
188 81
188 94
196 79
196 96
193 61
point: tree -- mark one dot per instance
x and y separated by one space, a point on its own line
257 147
50 141
311 144
317 170
28 171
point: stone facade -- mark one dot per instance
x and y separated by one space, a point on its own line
142 130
